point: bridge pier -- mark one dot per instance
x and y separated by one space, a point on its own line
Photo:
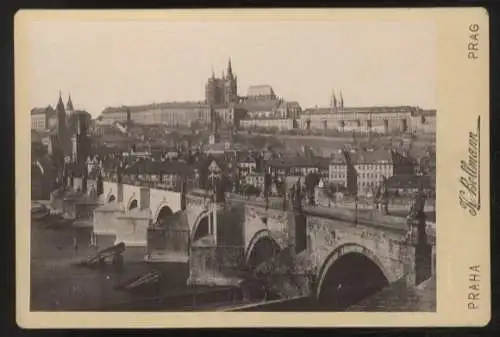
105 224
216 265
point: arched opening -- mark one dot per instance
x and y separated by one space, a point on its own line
350 279
111 198
164 213
264 249
133 204
260 262
202 229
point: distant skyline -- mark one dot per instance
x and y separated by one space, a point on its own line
118 63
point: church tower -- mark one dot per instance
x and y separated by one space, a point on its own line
69 106
61 119
231 85
333 103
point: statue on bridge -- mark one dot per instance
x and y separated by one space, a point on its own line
99 183
382 198
119 172
296 196
417 236
416 220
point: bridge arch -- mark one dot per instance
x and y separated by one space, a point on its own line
162 212
133 203
110 198
262 246
201 226
348 275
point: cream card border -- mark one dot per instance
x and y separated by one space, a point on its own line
462 240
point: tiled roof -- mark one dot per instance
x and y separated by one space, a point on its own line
259 105
164 105
427 112
155 167
226 166
290 105
260 90
246 156
323 162
39 111
371 157
380 109
298 162
338 158
318 111
409 181
363 110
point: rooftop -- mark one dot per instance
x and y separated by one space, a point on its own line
39 111
260 105
299 162
366 110
156 167
163 105
410 181
260 90
338 157
379 155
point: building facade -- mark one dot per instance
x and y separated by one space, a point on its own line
172 114
378 120
43 118
339 170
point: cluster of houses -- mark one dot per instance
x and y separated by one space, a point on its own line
352 172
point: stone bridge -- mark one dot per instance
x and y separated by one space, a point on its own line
318 252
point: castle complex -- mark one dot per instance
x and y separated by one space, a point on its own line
261 108
221 95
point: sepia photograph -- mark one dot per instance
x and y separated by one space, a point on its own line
224 171
196 165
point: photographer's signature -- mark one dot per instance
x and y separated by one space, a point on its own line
469 194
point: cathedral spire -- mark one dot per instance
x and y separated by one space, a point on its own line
333 101
60 104
341 100
229 68
61 119
69 105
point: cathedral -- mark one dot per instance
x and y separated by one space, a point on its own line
222 91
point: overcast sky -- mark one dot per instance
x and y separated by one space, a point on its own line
124 63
